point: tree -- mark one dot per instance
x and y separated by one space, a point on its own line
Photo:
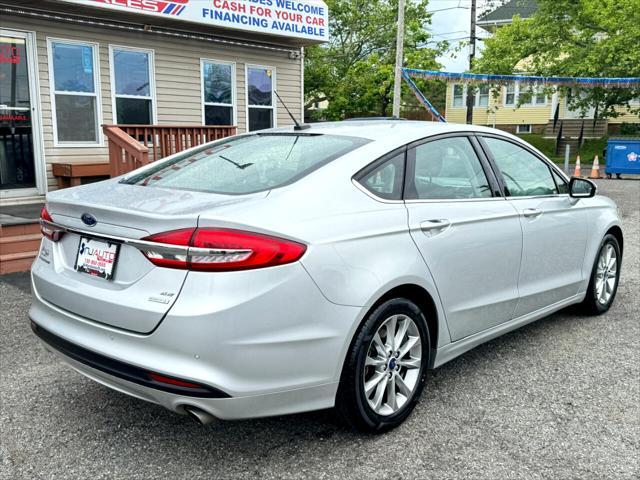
354 71
573 38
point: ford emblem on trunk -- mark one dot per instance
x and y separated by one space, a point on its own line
88 219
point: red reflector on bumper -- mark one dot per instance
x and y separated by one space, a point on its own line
156 377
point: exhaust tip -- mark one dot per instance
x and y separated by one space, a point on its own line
202 417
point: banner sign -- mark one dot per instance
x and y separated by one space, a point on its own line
435 115
620 82
304 19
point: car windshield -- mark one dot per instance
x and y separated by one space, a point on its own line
248 164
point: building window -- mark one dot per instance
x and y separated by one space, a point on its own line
260 104
524 96
533 96
75 102
218 90
132 85
459 95
480 97
524 128
510 94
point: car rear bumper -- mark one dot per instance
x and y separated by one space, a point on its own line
272 349
232 408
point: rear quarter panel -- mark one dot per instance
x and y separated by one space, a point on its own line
358 248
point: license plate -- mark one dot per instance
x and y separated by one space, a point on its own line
97 257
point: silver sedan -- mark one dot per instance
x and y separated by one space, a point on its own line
295 269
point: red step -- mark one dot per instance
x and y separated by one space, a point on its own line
19 245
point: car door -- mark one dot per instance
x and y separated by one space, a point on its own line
467 233
554 225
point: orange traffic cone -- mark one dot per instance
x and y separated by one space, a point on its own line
595 170
577 172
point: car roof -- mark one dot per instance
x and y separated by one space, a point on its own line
380 130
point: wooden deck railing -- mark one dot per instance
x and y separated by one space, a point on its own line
132 146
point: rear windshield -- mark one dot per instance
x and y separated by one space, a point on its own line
248 164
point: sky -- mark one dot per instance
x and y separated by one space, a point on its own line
451 20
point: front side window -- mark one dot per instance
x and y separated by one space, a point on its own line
218 86
385 181
523 173
132 85
561 183
446 169
74 91
248 163
260 98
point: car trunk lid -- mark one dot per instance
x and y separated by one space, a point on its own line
139 294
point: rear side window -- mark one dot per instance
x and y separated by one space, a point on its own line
248 164
446 169
385 181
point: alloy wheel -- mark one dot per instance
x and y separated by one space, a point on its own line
392 365
606 274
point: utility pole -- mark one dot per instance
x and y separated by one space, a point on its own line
397 82
472 54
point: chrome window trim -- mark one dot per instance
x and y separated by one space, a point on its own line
363 189
528 197
145 245
454 200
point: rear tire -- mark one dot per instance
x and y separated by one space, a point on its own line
605 276
384 374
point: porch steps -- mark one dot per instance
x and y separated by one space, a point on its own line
571 132
19 246
571 128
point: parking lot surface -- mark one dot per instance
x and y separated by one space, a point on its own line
559 398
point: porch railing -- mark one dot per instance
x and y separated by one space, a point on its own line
132 146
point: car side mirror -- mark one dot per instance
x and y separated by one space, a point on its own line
581 188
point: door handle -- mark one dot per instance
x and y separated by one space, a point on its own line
531 212
430 226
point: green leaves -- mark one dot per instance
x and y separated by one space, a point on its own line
355 70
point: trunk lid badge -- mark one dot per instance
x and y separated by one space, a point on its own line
88 219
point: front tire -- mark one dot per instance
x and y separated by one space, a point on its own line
385 369
605 276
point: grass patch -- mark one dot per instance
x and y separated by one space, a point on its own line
590 148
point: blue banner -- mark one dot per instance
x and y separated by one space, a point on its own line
619 82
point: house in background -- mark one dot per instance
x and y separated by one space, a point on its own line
521 108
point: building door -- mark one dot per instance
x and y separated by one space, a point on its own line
21 165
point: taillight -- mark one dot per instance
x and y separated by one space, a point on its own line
217 249
49 231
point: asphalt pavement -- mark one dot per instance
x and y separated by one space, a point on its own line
557 399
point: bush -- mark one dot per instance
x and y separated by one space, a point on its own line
627 128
